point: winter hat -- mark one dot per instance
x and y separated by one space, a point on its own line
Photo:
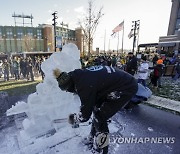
160 61
63 78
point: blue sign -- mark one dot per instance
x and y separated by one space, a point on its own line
58 41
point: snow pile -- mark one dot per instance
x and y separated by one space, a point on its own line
49 102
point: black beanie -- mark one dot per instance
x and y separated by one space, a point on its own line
63 80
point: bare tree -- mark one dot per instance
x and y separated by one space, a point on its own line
89 24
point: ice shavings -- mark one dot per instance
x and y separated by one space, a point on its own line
19 107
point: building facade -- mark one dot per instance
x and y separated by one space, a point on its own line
18 39
171 42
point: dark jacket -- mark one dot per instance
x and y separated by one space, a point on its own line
155 59
93 84
132 64
158 70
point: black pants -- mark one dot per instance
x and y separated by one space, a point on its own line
154 80
99 123
132 72
105 110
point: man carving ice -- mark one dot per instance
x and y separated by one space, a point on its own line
103 91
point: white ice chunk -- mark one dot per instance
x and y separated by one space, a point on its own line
20 107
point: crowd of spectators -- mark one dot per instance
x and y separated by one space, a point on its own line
21 68
27 68
147 67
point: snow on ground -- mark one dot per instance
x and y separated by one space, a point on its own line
66 140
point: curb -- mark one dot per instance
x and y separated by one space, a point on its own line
164 103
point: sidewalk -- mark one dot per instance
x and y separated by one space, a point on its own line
21 79
164 103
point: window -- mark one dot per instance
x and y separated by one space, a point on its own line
9 33
30 32
176 32
19 33
177 23
39 34
66 35
179 13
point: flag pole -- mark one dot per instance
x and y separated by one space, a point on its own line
109 45
105 41
123 37
138 37
118 44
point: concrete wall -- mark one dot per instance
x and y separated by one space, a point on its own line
79 38
173 17
48 38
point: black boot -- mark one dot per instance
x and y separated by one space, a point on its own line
88 141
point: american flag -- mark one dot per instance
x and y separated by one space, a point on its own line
118 28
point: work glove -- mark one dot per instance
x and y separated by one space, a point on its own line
74 119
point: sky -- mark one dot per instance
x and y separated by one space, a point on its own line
153 15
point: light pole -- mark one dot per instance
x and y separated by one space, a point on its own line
135 32
54 24
35 42
46 44
5 43
10 45
21 43
15 40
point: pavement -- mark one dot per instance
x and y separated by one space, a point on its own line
164 103
147 121
143 130
13 79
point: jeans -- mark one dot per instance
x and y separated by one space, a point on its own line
6 75
143 82
159 81
16 73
